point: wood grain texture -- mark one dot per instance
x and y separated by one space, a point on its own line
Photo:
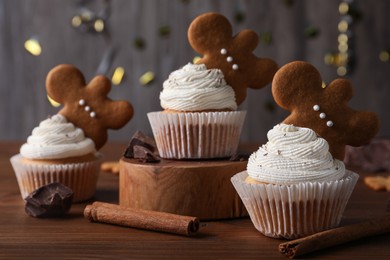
74 237
23 101
192 188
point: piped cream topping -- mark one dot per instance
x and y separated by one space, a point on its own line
196 88
56 138
292 155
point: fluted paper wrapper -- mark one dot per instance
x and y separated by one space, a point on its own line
197 135
80 177
298 210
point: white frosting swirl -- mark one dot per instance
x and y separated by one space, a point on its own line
195 88
293 155
55 138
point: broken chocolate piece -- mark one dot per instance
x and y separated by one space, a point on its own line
52 200
139 139
144 154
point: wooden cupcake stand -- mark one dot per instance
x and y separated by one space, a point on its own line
199 188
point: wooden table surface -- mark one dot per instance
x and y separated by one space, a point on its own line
75 237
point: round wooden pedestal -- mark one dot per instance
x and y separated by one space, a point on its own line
193 188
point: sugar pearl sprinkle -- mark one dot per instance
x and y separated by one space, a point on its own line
229 58
83 103
322 115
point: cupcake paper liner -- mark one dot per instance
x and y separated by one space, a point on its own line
80 177
197 135
298 210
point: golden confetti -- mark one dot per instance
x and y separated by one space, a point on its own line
323 84
53 102
32 46
337 59
341 71
342 58
384 56
342 38
343 47
99 25
329 59
343 8
118 75
343 26
196 59
76 21
146 78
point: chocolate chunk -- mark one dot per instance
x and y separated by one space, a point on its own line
139 139
144 154
239 157
52 200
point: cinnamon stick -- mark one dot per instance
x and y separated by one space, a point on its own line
142 219
335 237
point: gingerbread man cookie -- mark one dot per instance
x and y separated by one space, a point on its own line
211 35
87 105
297 87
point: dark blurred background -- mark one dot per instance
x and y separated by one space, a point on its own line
147 39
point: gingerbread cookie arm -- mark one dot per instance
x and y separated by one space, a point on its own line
122 110
246 40
338 91
99 87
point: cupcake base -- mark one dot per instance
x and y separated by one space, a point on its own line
80 177
193 188
298 210
198 135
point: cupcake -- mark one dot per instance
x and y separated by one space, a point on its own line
199 120
293 187
63 148
57 151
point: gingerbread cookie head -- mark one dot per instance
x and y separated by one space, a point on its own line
211 35
297 87
87 105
